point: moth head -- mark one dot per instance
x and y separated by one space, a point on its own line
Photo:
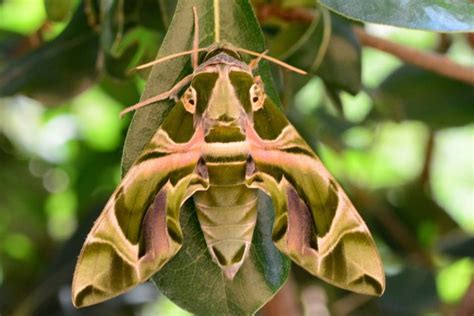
222 47
189 99
257 94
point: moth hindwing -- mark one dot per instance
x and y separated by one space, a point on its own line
223 141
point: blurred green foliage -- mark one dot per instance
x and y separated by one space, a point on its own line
399 139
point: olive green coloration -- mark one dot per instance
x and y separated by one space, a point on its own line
232 141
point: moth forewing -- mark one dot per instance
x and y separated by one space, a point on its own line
316 225
138 230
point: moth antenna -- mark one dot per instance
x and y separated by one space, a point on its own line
195 53
217 21
172 56
271 59
171 93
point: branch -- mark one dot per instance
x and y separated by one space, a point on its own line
430 61
429 153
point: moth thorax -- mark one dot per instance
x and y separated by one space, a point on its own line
227 216
224 107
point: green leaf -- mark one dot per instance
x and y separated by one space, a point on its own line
341 67
10 42
432 15
112 25
410 292
427 223
129 29
319 126
453 281
24 17
121 16
58 10
457 245
315 120
302 44
59 69
186 279
438 101
326 46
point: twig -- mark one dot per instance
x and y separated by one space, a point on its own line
426 60
429 152
429 61
27 44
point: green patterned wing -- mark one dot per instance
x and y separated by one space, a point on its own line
138 231
315 225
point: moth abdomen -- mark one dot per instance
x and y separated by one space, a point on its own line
227 215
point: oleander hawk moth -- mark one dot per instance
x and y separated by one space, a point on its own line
222 142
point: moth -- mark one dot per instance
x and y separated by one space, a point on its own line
222 142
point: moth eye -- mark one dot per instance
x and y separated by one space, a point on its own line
189 100
256 96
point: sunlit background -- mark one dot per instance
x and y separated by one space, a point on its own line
59 164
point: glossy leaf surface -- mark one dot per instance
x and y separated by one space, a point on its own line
438 101
433 15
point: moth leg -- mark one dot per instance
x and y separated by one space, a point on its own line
170 94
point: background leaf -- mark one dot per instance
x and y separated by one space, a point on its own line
58 10
438 101
341 67
434 15
58 70
130 29
410 292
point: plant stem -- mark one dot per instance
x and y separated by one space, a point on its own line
429 61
